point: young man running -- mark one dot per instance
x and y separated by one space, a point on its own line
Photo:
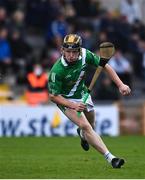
66 88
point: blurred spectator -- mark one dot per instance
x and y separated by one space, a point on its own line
21 56
143 64
41 12
108 24
122 67
87 8
37 13
142 59
102 37
88 11
37 91
69 10
81 7
49 57
3 16
57 30
134 50
123 30
106 90
139 28
18 22
87 37
133 43
12 5
131 10
5 51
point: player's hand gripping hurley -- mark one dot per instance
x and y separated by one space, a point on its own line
107 50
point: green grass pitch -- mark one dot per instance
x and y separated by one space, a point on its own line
63 158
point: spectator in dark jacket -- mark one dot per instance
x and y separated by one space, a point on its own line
5 51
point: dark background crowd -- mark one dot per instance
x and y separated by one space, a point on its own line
31 32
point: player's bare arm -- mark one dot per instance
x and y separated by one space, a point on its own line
123 88
58 99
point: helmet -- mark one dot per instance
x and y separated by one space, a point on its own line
72 41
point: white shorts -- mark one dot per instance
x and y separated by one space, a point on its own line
89 103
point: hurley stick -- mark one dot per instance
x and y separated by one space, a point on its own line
107 50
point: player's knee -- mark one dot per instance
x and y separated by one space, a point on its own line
85 126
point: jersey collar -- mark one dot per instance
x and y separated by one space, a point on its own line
64 63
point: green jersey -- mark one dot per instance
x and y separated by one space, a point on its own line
68 80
